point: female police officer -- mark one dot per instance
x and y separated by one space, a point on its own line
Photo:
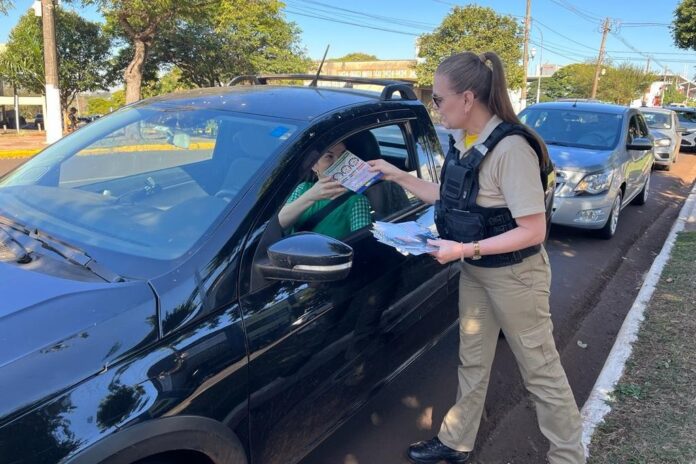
490 213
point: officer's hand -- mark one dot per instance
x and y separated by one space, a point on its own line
389 171
447 250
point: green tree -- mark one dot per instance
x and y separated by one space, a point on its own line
356 56
619 84
624 83
208 41
139 23
477 29
684 25
101 105
209 52
532 90
82 49
572 81
672 95
170 82
5 5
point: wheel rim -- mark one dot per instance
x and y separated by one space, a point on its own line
646 188
615 214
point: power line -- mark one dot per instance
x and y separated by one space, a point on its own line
553 50
325 18
577 12
629 24
561 35
625 42
358 14
587 13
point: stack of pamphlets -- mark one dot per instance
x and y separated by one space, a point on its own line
352 172
409 238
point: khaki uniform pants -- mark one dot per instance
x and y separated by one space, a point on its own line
515 299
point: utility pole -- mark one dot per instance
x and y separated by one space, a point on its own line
600 58
52 118
541 63
647 67
525 56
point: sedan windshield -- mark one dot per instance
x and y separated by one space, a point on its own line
574 128
657 120
145 182
686 116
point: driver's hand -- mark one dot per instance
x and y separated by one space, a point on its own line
325 189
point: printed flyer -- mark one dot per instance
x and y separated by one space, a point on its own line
352 172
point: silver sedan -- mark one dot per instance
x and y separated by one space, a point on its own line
603 155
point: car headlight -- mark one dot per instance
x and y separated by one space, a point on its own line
595 183
662 142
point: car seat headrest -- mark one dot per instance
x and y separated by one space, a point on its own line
364 145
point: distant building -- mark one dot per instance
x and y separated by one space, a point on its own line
7 100
653 95
402 70
380 69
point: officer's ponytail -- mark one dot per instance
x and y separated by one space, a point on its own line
469 71
498 98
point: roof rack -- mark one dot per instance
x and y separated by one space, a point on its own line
391 86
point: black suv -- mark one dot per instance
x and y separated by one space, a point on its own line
153 309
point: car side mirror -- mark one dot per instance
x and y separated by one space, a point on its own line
640 143
307 257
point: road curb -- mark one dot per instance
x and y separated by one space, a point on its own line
597 405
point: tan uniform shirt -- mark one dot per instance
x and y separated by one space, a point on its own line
509 174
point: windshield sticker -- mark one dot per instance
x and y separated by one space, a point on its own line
281 132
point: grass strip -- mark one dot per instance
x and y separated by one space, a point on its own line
653 416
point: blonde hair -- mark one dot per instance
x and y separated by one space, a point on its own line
469 71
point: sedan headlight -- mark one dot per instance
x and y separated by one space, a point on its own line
595 183
662 142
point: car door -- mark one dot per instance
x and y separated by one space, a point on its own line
646 158
635 162
317 350
677 131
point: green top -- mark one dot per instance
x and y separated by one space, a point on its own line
352 215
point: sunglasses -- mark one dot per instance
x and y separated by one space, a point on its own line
437 99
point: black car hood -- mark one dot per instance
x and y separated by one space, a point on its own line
56 332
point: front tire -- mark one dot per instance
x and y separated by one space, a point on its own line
609 229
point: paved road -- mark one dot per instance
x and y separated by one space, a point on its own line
594 285
8 164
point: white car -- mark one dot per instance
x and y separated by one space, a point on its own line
664 125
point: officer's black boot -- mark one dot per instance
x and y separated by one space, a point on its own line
433 451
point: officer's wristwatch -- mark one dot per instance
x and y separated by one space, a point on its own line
477 251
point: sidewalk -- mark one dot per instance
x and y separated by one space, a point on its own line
642 408
23 145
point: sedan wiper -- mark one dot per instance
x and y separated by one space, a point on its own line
74 255
70 252
20 254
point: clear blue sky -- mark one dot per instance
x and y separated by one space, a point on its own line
388 28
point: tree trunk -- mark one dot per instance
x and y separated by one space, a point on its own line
133 75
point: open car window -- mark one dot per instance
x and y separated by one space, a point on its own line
380 201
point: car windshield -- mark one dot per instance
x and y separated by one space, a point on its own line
575 128
657 120
686 116
146 181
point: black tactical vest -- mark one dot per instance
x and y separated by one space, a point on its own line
459 218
